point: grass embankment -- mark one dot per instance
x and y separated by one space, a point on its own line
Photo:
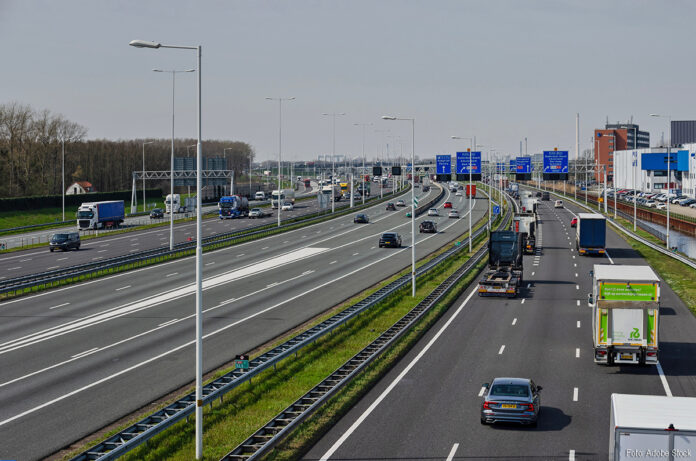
250 406
678 275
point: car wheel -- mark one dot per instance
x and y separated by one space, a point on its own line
51 250
483 421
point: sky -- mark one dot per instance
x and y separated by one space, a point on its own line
497 70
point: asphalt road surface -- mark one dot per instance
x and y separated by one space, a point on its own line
77 358
31 261
428 406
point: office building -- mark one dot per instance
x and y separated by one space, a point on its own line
683 132
615 137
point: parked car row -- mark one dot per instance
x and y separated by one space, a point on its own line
651 200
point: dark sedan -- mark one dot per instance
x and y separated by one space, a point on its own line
361 218
428 227
514 400
391 207
390 239
157 213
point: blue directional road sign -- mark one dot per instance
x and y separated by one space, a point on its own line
513 166
408 167
523 165
496 209
444 164
555 161
463 162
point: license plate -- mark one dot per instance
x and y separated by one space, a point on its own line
508 405
626 356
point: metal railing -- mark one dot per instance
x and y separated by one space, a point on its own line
138 433
282 424
689 262
56 276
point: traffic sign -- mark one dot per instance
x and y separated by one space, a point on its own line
496 209
463 162
444 164
241 362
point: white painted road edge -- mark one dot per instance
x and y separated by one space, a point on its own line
396 381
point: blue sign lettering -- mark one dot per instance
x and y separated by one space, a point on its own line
463 162
555 161
444 164
523 165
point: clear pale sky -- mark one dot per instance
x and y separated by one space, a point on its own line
500 70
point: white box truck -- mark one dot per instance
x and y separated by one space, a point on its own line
625 302
173 203
652 427
286 196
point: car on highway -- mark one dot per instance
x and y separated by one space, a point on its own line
514 400
574 222
558 204
458 193
391 207
287 207
433 212
400 203
447 205
157 213
390 239
426 188
427 227
453 214
538 194
64 241
258 213
361 218
260 195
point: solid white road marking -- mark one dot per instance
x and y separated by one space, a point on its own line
18 267
391 386
173 273
607 253
123 288
577 352
482 391
665 384
59 305
514 321
450 457
578 323
167 323
502 348
575 394
82 354
571 455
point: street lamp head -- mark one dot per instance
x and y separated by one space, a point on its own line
144 44
388 117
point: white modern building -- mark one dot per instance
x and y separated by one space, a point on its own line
646 169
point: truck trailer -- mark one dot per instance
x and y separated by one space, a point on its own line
233 206
470 190
654 427
96 215
286 196
525 223
503 277
174 204
625 302
591 236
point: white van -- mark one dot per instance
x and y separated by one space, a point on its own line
260 195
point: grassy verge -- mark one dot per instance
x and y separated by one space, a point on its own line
250 406
678 276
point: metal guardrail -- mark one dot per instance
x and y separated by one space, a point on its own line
214 241
134 435
636 237
282 424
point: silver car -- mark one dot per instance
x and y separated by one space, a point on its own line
513 400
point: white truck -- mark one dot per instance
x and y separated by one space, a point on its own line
625 302
333 192
286 196
173 203
97 215
652 427
525 223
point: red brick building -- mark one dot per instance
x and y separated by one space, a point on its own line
612 138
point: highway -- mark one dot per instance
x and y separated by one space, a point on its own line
31 261
41 236
78 358
428 405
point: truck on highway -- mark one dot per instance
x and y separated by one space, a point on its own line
655 427
286 196
334 192
625 302
503 277
96 215
173 203
591 235
470 190
525 223
529 205
233 206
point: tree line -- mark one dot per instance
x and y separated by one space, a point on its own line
31 154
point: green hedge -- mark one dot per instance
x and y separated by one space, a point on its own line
52 201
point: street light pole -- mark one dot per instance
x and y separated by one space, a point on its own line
63 175
472 140
148 142
669 173
199 249
280 147
413 198
333 159
171 173
363 125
